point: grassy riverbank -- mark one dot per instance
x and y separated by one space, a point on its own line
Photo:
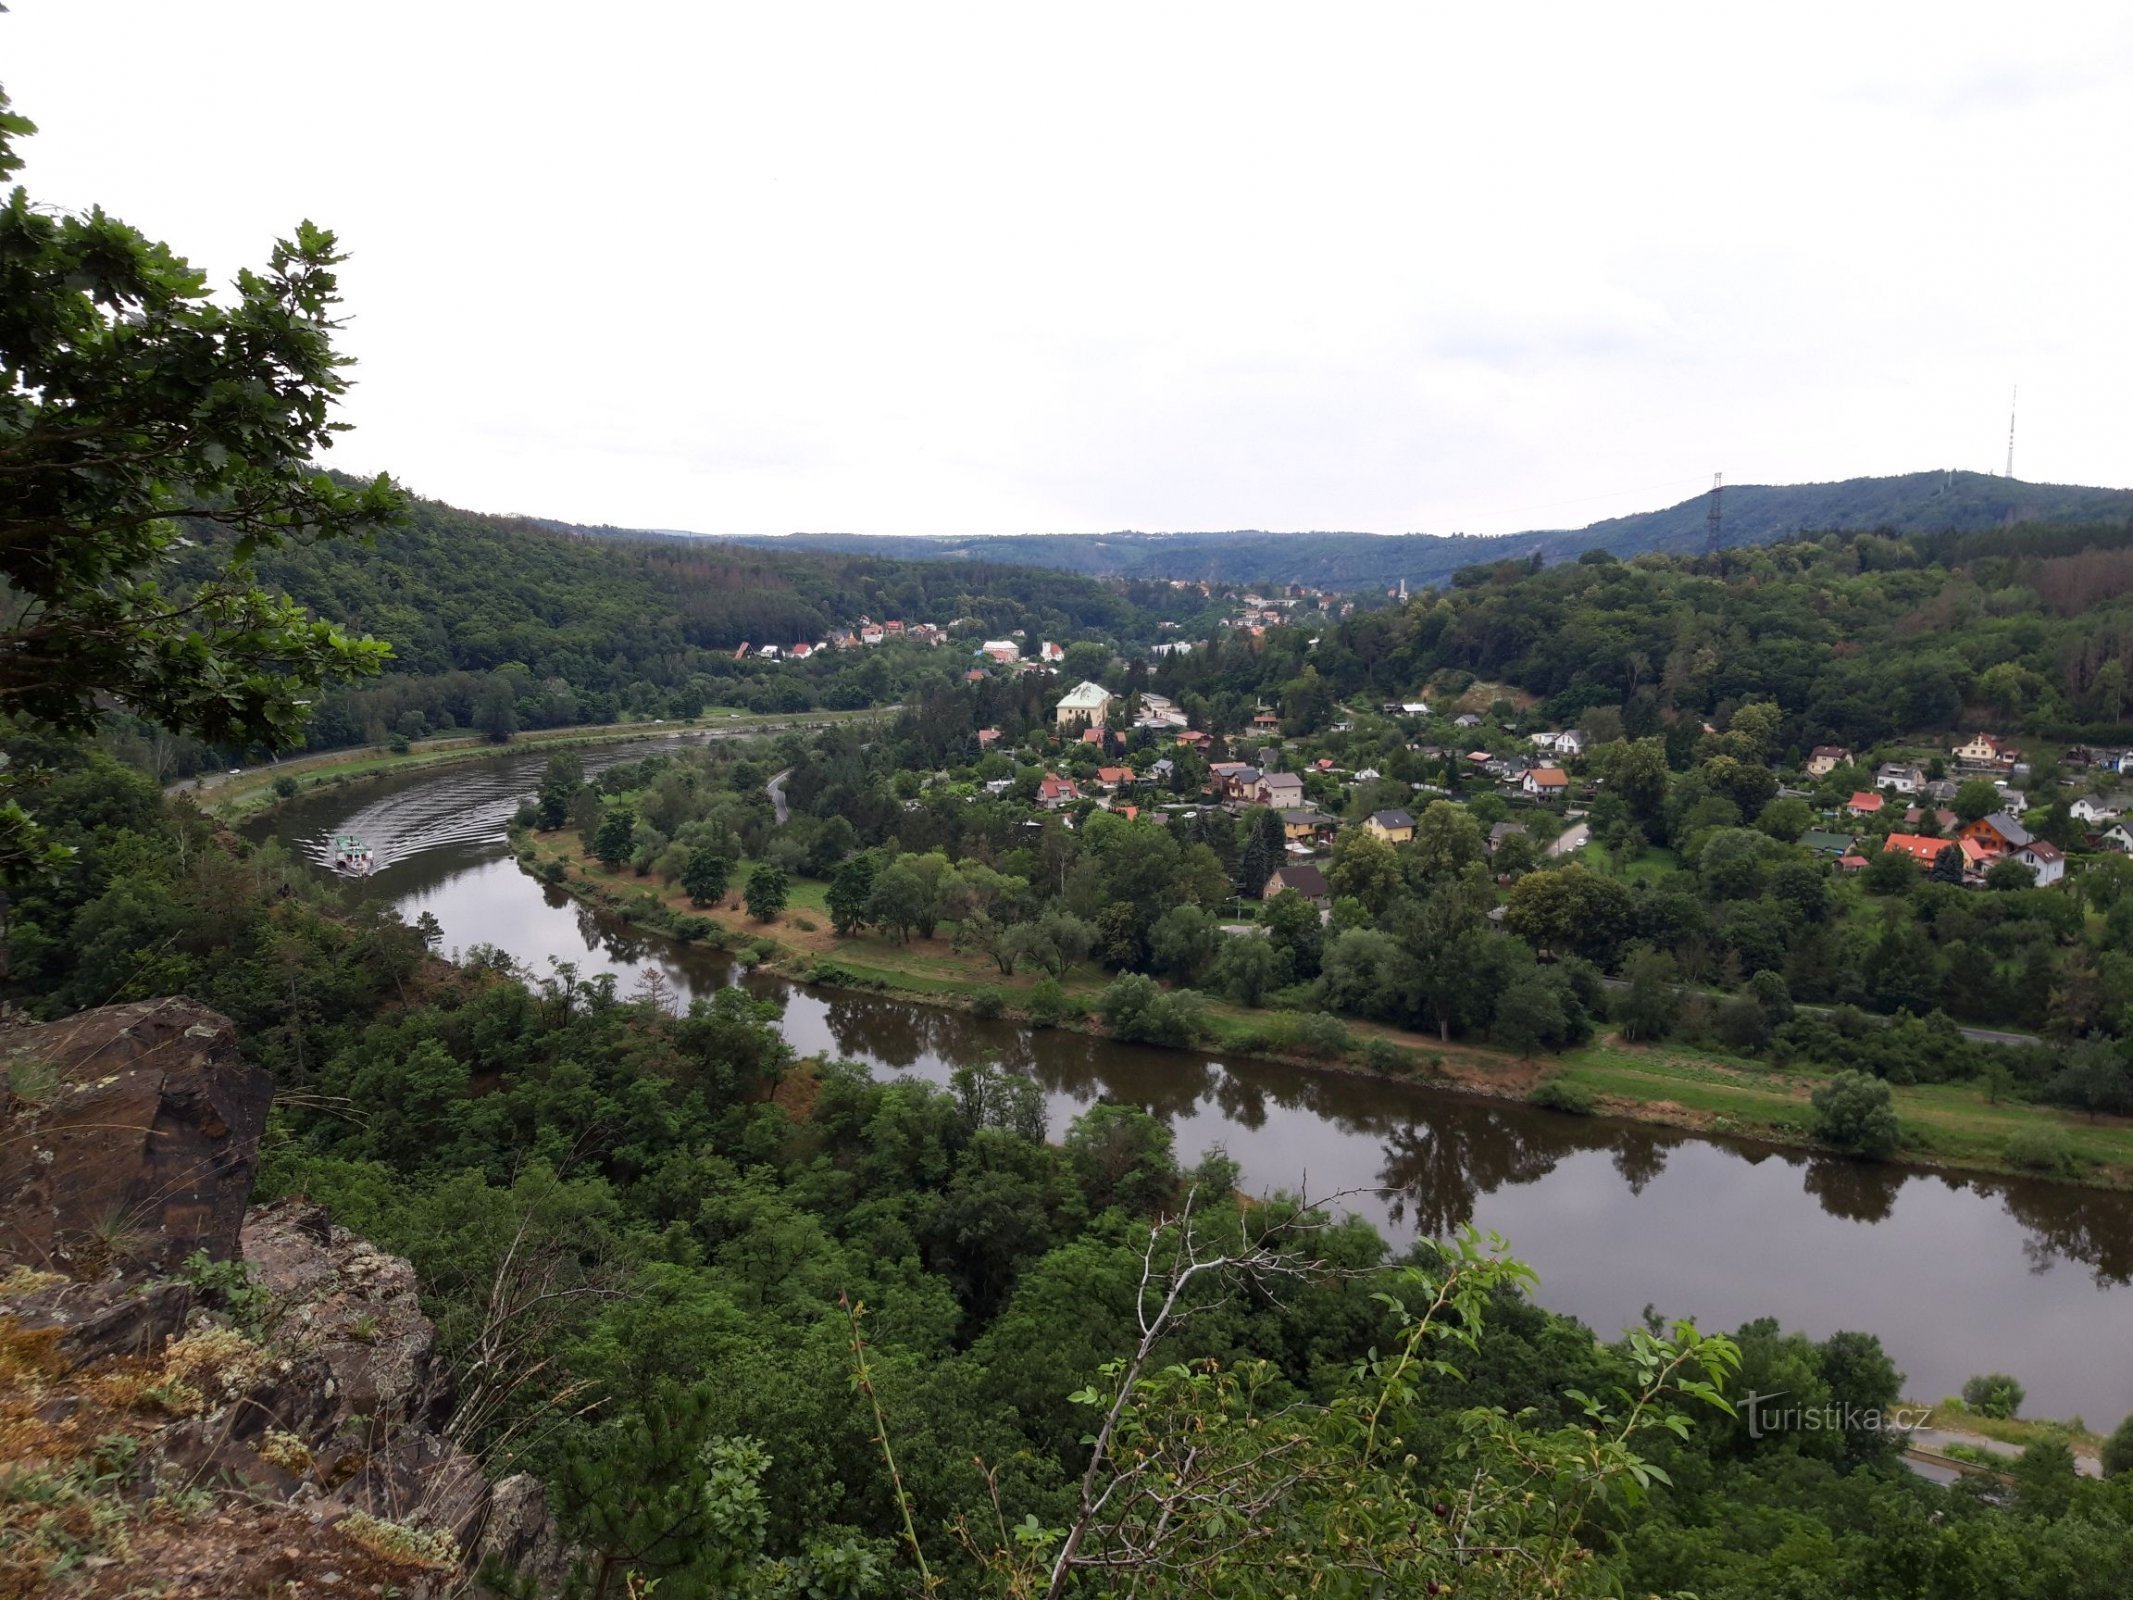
1945 1125
252 791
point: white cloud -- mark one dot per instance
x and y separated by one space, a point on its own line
973 268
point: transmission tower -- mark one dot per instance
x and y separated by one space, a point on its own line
1714 515
2010 429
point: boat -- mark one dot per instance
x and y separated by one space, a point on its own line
351 856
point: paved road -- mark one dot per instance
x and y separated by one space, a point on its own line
1976 1035
1571 840
776 786
1935 1442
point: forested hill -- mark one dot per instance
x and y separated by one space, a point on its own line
1917 502
575 628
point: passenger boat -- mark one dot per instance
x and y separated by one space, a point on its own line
351 856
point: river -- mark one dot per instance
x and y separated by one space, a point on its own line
1958 1275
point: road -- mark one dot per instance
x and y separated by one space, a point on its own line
1975 1035
776 786
1933 1443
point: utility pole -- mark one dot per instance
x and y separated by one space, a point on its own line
2010 428
1713 517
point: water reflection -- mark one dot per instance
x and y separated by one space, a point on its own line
1958 1275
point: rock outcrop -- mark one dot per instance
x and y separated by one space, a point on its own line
133 1134
314 1400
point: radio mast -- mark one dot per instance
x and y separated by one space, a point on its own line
2010 428
1712 517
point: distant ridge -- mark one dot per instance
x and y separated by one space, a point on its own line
1916 502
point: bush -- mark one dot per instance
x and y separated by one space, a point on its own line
1852 1112
1558 1095
1320 1034
1993 1394
987 1002
2045 1150
2118 1450
1136 1008
690 929
1047 1003
555 871
285 786
763 949
398 744
1382 1055
804 924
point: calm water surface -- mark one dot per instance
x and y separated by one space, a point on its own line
1957 1275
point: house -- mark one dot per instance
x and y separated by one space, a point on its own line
1093 736
1000 650
2101 808
870 634
1306 881
1084 704
1394 826
1998 833
1306 826
1048 651
1266 719
766 652
892 628
1851 863
1466 719
2118 837
742 653
1368 775
974 675
1943 818
1986 750
998 786
1826 758
2045 859
800 651
2012 801
1826 844
1279 790
987 738
1110 778
1566 743
1054 791
1179 648
1161 768
1503 831
1902 776
1921 848
1547 782
1194 739
1864 803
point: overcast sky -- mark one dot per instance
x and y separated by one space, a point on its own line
932 269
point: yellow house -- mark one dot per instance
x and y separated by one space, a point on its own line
1983 747
1394 827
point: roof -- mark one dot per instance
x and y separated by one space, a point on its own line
1864 800
1503 830
1305 818
1281 780
1392 819
1306 881
2007 828
1817 839
1549 777
1114 774
1085 696
1831 750
2043 850
1918 846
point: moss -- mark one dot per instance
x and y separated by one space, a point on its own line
397 1542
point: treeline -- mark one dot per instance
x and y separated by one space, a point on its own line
550 629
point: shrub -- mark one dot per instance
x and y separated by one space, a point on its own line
555 871
804 924
1135 1007
690 929
1047 1003
398 744
1558 1095
1321 1034
1382 1055
285 786
1993 1394
762 949
1852 1112
2045 1150
987 1002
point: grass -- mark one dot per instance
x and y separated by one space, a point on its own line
1655 863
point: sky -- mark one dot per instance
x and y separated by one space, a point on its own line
748 268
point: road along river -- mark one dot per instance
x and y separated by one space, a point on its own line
1958 1275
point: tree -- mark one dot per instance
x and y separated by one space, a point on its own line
1852 1112
1365 867
2008 874
561 779
1993 1394
135 402
849 892
901 900
768 890
1447 840
706 875
1975 798
496 712
1529 1014
1948 865
1182 942
1570 911
1246 967
1651 1004
2117 1453
612 841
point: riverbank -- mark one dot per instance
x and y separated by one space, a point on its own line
251 793
1946 1126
